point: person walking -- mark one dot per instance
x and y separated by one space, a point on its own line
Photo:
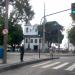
21 53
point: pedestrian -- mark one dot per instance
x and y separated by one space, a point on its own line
21 52
51 53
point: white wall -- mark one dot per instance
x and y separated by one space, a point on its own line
31 30
32 44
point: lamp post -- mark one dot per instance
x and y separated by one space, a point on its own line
24 39
43 37
39 46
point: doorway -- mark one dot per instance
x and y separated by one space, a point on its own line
35 48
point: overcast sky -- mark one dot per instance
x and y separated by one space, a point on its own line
52 6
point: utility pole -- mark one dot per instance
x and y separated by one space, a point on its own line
43 42
6 31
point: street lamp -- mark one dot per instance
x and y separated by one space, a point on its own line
58 42
39 46
44 22
24 39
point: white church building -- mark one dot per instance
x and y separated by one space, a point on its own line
32 41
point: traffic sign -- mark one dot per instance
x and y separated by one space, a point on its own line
5 31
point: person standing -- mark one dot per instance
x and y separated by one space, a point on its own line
21 53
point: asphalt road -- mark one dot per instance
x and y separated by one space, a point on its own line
62 66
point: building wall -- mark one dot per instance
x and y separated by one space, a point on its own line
32 30
32 44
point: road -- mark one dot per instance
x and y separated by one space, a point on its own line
62 66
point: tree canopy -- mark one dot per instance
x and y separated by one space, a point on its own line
21 12
71 35
53 32
15 34
1 27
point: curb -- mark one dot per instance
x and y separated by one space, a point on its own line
7 67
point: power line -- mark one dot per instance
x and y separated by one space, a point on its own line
55 13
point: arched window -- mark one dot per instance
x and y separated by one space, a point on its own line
40 40
35 30
31 40
27 30
35 40
26 40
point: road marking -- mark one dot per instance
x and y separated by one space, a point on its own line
71 67
50 65
60 66
41 64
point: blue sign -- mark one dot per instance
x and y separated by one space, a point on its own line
1 52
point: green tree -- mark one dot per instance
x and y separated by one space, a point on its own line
71 35
1 27
15 34
53 32
21 10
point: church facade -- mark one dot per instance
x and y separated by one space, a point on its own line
32 41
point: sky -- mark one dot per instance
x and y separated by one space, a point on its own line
52 6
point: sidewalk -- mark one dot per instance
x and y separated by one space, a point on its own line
15 57
13 60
